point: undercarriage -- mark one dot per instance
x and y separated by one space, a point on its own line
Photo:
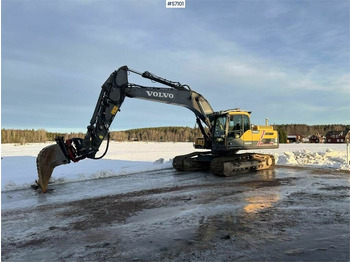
227 165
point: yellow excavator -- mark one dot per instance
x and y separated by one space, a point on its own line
224 132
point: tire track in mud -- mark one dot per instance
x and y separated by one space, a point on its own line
285 216
117 208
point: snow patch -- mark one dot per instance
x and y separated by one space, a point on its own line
18 162
324 159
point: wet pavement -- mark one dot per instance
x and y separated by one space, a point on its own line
288 214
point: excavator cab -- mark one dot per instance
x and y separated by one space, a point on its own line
232 131
228 129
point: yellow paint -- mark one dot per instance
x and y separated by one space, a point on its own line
114 110
247 136
101 137
256 136
239 113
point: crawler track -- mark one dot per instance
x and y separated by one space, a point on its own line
196 161
229 166
223 165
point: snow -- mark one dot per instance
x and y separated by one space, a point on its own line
18 162
311 155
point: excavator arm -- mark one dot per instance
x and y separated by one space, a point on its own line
111 98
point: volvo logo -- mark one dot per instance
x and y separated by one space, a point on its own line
159 94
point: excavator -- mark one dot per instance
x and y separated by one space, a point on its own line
224 132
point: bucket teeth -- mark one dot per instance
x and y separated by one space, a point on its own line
48 158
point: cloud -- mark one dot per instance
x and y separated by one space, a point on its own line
269 57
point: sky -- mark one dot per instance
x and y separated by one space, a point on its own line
287 61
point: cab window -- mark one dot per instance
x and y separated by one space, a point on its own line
238 125
220 127
246 123
235 128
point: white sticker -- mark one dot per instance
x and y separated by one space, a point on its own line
175 3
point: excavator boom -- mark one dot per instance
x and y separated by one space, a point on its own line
224 132
111 98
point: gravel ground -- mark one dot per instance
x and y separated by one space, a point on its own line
288 214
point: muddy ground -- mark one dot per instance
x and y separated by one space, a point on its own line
287 214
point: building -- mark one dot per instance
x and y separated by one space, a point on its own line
316 139
294 138
338 136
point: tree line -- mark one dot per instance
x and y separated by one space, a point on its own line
158 134
32 136
307 130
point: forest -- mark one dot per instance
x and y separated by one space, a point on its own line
307 130
158 134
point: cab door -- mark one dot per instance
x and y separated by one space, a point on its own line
219 134
238 131
235 127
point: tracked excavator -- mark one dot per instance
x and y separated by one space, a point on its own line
224 132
